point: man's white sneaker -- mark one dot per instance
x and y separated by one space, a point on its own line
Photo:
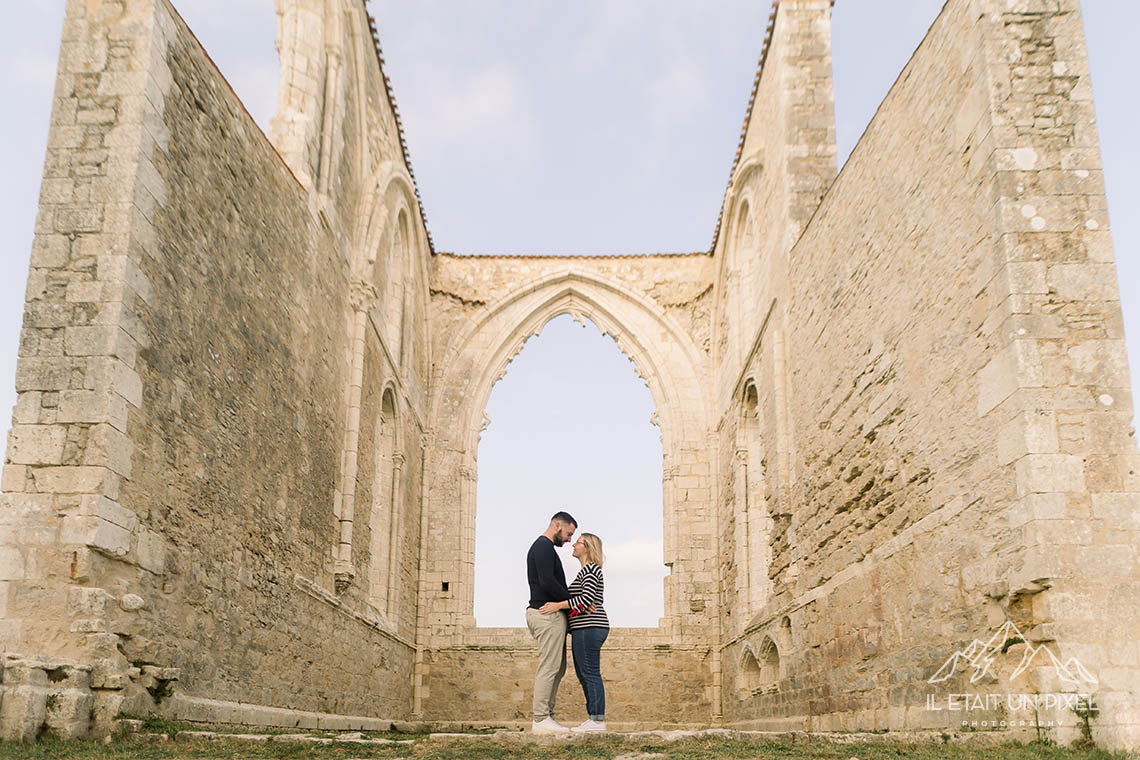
590 727
547 726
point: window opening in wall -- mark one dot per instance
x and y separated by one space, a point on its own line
754 522
570 430
394 286
383 516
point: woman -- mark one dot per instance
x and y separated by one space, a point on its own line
589 628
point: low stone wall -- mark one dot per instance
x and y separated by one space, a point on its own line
649 683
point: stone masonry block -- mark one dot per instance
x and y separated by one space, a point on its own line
68 714
50 251
1043 473
1101 363
151 551
36 444
110 448
11 563
1111 563
68 479
111 511
44 374
1119 510
1025 277
1084 282
1018 365
97 340
14 478
1037 506
85 291
97 533
23 709
92 407
110 538
107 373
47 314
1028 433
86 601
70 219
1109 432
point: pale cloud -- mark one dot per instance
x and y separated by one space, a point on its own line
481 112
31 72
674 98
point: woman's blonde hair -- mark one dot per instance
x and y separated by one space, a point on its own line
593 548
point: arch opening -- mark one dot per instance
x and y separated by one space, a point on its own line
753 521
570 426
383 514
759 668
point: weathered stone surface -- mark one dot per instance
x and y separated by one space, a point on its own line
894 404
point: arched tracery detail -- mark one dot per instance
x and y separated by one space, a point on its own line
738 271
662 353
394 290
759 667
390 198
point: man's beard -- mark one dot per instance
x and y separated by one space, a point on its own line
558 540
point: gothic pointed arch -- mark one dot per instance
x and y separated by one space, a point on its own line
628 318
663 355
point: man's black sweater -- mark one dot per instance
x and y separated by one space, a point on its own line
545 575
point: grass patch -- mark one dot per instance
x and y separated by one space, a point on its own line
233 750
590 748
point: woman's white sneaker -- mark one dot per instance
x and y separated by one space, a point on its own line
547 726
590 726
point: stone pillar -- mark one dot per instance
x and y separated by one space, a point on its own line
295 129
395 535
1058 384
362 297
63 530
334 57
743 608
466 559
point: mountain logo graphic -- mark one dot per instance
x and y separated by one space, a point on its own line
980 656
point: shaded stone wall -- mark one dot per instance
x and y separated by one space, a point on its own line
894 406
175 485
649 682
951 336
239 430
786 161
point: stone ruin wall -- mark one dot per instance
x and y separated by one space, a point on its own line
960 403
892 419
483 309
176 468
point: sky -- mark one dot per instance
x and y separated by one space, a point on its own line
537 126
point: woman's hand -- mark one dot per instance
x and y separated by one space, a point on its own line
551 607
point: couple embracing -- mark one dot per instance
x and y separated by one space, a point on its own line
555 608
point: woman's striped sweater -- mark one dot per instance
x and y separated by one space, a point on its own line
588 588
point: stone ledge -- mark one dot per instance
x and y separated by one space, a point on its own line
523 737
377 623
202 710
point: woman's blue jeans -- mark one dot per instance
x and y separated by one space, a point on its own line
587 646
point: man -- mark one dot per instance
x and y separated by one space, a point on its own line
548 584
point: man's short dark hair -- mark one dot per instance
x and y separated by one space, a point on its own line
564 517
